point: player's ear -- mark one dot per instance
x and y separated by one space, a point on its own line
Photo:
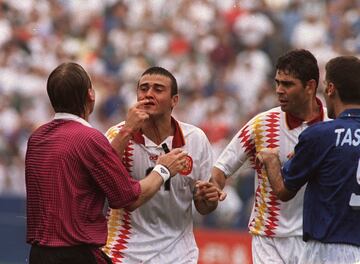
330 89
174 100
311 86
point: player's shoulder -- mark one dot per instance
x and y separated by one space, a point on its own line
324 125
115 128
184 125
273 111
320 129
272 114
189 129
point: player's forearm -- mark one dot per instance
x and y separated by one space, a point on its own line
205 207
121 140
149 187
218 178
167 166
273 169
206 196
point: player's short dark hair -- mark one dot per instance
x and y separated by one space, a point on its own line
344 73
67 88
164 72
301 64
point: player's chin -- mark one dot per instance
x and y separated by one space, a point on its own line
284 107
155 114
150 110
148 106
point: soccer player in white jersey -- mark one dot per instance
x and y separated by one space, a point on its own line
161 231
276 226
327 158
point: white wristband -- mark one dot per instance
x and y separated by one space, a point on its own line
163 171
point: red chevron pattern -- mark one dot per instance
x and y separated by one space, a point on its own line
127 157
265 134
122 238
119 224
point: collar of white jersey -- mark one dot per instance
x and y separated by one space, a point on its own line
294 122
178 139
68 116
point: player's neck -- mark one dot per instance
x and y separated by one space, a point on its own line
309 112
158 129
341 107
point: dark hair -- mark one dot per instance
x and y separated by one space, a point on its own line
67 88
301 64
164 72
344 73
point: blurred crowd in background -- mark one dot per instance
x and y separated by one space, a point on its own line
222 53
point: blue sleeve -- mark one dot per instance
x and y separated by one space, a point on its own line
302 166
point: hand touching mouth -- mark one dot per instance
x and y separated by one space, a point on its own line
149 103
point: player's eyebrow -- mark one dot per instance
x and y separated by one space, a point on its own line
284 83
146 84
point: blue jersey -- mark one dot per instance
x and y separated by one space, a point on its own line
327 157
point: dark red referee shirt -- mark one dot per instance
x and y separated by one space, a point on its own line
70 168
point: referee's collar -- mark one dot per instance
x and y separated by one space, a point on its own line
294 122
68 116
178 139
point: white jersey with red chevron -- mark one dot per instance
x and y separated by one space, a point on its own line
271 129
160 231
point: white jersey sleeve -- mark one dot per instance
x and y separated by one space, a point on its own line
239 152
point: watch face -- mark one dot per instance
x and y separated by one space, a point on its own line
189 166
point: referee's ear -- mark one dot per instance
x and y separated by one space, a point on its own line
91 94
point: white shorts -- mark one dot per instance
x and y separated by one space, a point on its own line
183 251
277 250
321 253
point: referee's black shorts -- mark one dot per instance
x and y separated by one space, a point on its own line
82 254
